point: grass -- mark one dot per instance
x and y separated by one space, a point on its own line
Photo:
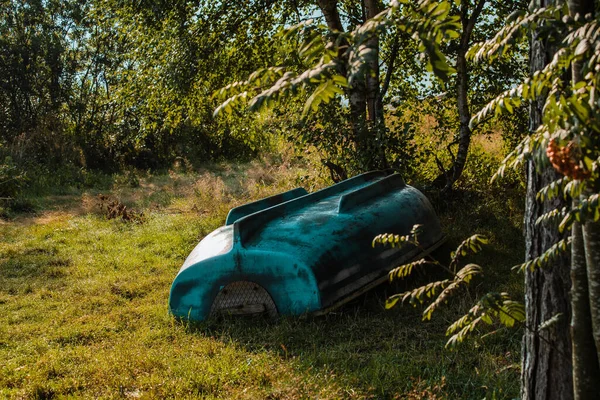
83 305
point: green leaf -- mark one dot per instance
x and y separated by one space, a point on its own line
508 105
322 94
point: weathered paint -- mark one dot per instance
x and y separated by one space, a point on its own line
308 251
256 206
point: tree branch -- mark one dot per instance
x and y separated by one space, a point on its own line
472 20
390 68
332 16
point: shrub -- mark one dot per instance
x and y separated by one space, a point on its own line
12 179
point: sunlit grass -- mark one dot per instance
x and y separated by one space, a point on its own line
83 307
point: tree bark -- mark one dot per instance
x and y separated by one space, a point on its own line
464 116
591 238
374 105
375 116
357 93
585 362
546 366
358 116
366 109
546 369
390 69
590 275
331 14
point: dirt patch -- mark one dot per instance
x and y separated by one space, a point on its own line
57 209
49 217
62 208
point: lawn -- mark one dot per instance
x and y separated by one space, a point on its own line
83 304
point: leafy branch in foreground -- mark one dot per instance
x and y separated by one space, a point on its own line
491 307
547 258
567 137
331 61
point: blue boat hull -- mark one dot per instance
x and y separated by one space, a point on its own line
298 253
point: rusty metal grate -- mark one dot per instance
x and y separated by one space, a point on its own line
243 298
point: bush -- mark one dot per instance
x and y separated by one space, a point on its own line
12 179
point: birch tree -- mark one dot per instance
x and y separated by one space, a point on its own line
343 64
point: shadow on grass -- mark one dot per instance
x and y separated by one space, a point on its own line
380 353
33 267
392 353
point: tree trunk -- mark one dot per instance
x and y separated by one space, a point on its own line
366 109
588 296
585 292
376 123
331 14
357 96
357 93
546 369
591 237
585 361
374 105
464 116
462 101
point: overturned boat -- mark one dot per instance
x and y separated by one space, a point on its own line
297 253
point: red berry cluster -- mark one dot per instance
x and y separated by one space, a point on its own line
566 160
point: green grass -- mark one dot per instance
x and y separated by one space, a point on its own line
83 306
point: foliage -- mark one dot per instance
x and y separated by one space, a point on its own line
325 57
472 86
547 258
337 71
108 85
12 180
491 307
567 138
